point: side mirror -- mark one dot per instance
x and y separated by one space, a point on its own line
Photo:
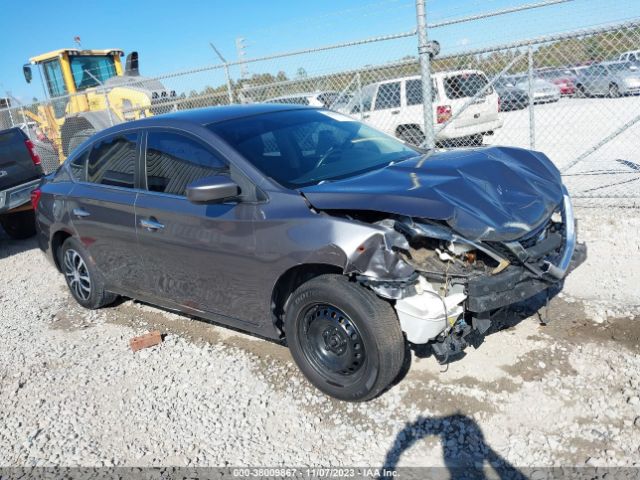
28 75
131 65
212 189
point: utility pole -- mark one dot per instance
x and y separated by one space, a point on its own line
425 50
242 54
226 72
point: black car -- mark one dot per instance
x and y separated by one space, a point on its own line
303 225
511 97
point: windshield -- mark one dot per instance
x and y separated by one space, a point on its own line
298 148
102 67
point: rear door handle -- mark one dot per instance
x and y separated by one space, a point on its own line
151 224
80 212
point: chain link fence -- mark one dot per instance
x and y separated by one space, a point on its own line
574 96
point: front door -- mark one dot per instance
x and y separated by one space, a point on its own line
195 255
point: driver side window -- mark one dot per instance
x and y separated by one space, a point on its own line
174 160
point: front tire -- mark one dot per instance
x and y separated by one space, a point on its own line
19 225
83 277
346 340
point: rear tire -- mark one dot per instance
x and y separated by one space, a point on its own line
83 278
346 340
19 225
614 91
581 92
411 135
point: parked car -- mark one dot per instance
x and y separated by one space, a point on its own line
543 91
611 79
630 56
316 99
562 78
511 97
395 107
20 173
303 225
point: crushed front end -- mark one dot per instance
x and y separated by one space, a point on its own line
445 286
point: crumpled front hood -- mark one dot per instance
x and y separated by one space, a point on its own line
494 193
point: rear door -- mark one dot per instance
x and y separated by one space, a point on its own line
387 107
198 256
101 206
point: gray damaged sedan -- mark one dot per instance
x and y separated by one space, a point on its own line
308 227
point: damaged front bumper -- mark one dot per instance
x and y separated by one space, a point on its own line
535 272
442 306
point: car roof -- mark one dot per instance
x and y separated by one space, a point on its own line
444 74
208 115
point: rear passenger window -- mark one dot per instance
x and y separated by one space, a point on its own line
112 161
414 92
175 160
78 167
388 96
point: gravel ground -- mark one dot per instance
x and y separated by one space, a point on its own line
72 393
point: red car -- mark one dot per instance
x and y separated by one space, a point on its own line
562 79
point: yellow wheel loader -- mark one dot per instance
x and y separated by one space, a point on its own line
88 90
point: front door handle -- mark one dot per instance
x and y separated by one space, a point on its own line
395 112
80 212
151 224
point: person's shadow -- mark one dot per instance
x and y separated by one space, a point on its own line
466 454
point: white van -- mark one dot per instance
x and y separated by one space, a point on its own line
395 107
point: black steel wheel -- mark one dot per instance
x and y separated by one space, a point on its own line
345 339
332 342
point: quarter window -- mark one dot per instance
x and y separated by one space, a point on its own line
78 167
388 96
112 161
175 160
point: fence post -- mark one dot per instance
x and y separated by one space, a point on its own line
532 119
425 72
359 90
24 119
10 116
229 87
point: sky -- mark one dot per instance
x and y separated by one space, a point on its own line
173 36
